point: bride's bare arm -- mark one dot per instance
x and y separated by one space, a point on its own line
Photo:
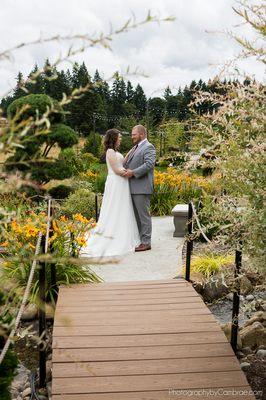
111 156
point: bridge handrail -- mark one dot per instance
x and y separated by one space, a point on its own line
192 212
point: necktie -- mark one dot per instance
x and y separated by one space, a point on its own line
132 152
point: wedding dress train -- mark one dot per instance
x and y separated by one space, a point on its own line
116 232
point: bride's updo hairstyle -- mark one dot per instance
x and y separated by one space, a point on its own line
110 139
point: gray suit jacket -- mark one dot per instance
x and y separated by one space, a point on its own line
142 164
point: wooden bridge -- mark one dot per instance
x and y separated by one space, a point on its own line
143 340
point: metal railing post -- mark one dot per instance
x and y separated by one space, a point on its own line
42 320
96 207
236 300
54 287
189 242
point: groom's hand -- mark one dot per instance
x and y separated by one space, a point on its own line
128 173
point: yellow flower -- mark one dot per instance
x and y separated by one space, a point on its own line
81 241
56 227
4 244
80 218
63 218
31 231
52 238
91 174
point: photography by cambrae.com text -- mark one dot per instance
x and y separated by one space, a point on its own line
213 392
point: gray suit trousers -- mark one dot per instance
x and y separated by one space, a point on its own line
141 205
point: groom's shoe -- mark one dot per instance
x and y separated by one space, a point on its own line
143 247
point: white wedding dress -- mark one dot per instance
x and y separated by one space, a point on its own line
116 232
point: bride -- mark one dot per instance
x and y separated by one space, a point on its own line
116 232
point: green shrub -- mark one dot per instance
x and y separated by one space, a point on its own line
174 159
67 186
7 371
210 264
99 183
45 171
13 201
63 135
126 144
87 159
93 144
81 201
10 362
60 191
70 157
79 161
80 183
162 202
37 104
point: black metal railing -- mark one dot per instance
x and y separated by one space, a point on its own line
42 319
238 261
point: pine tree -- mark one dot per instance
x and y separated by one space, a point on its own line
18 92
35 83
102 88
118 95
49 75
88 113
157 109
140 101
167 93
130 92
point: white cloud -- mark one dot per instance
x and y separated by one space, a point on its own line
172 54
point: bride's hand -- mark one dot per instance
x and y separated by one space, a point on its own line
123 172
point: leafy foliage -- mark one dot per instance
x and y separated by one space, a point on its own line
10 362
210 264
33 104
81 201
93 144
68 236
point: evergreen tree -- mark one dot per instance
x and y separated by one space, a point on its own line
140 101
87 113
118 95
167 93
49 76
157 109
35 82
18 92
102 89
130 92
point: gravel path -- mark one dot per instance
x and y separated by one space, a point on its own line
162 262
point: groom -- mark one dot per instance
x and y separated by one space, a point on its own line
139 164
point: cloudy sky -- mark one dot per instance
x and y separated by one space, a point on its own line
171 53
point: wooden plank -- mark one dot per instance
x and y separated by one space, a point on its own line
142 352
145 367
100 289
134 329
135 289
82 320
122 295
237 393
126 286
72 342
77 302
172 295
116 317
128 283
133 307
148 382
